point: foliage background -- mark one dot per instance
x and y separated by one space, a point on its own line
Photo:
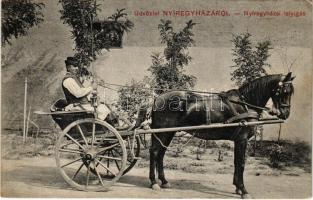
17 17
42 52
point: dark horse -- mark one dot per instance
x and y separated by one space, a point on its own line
181 108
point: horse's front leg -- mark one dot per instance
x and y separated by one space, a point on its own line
153 157
166 140
240 153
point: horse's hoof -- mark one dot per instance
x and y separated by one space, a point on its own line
166 185
155 187
237 191
246 196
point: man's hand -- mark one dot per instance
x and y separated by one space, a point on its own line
87 83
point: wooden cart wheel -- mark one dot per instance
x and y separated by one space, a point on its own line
131 158
83 155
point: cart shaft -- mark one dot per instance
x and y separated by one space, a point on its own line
200 127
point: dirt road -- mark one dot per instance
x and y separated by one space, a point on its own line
38 177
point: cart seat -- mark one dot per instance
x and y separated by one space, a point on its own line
59 105
64 119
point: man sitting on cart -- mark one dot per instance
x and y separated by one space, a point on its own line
78 96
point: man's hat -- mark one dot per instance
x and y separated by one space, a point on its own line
71 61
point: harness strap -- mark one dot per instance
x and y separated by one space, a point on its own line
225 98
243 116
232 109
249 105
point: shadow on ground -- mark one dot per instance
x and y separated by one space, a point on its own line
36 176
49 177
184 185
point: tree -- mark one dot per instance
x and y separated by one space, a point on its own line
168 71
89 33
17 17
250 62
134 95
77 14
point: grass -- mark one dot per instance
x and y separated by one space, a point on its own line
212 157
209 162
13 146
284 154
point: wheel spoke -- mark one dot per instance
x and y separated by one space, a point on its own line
117 165
129 157
105 167
82 134
108 163
107 148
119 153
71 162
71 151
109 157
87 177
95 167
98 163
109 139
70 137
77 171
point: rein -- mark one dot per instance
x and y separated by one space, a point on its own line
103 84
197 91
249 105
167 147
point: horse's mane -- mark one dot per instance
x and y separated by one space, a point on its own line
259 90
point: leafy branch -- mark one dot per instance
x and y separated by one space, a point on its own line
250 62
168 71
90 34
17 17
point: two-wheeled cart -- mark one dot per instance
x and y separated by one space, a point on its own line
92 155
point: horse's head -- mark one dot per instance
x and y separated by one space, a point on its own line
281 96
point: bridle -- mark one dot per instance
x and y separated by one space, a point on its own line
278 92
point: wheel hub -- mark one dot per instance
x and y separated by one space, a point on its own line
90 154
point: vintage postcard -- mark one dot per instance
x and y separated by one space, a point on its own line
156 99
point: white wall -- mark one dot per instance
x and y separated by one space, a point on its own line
211 67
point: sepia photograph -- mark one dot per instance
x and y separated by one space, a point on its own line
159 99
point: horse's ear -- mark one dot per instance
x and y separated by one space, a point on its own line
293 78
288 77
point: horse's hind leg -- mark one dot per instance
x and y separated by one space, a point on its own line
240 151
